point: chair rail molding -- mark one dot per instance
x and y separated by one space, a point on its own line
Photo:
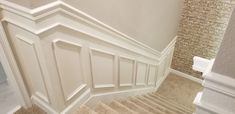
67 57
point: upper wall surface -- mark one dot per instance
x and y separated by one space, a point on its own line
152 22
225 60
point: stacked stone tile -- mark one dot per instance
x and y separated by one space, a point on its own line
202 26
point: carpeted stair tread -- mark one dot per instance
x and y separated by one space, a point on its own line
135 107
145 105
85 110
168 104
173 103
102 108
156 105
121 108
151 103
165 104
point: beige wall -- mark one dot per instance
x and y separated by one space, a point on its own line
153 22
225 60
31 3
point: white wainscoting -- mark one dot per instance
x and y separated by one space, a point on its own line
29 61
68 61
103 68
66 56
126 71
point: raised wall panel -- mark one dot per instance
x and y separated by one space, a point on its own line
32 69
68 60
126 71
141 73
152 75
103 69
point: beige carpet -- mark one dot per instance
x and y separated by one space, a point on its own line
180 89
175 96
33 110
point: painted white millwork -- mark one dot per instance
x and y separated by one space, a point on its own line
67 57
218 95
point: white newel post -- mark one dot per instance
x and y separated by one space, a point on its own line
218 95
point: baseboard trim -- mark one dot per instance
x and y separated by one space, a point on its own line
178 73
69 110
77 103
18 107
43 105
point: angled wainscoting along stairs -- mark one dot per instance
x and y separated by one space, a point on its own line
67 58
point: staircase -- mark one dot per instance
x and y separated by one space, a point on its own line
152 103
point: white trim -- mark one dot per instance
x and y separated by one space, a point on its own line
220 83
32 21
77 103
14 109
178 73
11 69
160 81
208 107
44 106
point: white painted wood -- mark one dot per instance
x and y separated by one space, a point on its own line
218 95
68 59
32 68
141 73
73 53
103 69
126 71
152 75
12 71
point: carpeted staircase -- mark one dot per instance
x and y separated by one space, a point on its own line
151 103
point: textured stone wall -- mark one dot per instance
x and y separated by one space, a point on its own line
202 26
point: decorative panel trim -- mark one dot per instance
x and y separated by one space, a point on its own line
155 75
146 72
92 68
119 71
79 88
32 44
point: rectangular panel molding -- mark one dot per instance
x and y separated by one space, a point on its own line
69 66
141 73
152 75
103 68
32 68
126 71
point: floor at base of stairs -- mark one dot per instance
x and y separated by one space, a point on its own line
180 90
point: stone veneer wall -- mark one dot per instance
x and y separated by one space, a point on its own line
202 26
